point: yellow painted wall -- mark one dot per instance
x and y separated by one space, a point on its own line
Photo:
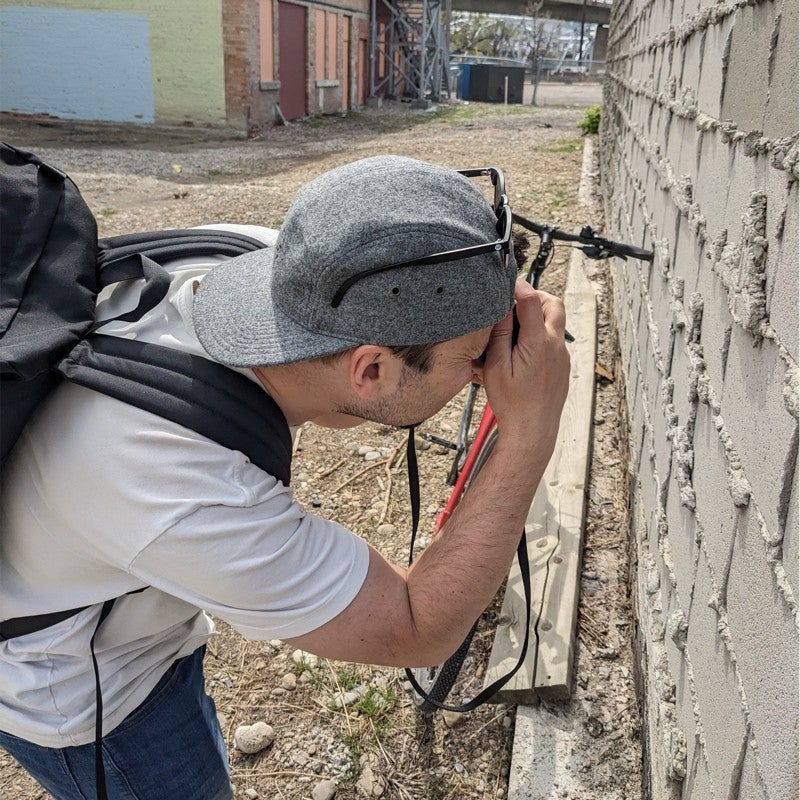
186 52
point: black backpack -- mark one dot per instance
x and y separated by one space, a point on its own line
52 267
51 270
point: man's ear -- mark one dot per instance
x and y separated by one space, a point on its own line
373 371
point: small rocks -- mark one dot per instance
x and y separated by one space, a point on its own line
606 652
253 738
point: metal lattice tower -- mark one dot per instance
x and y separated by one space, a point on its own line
409 49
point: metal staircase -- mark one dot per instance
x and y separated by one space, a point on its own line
409 55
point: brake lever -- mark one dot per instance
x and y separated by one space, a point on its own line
598 252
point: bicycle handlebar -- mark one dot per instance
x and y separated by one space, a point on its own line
592 245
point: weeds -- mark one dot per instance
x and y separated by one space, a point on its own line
564 146
590 123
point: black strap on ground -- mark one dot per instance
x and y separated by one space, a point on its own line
525 573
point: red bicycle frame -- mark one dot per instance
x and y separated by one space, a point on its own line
487 424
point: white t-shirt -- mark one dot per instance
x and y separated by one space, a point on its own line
101 498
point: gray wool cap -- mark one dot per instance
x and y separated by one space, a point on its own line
274 306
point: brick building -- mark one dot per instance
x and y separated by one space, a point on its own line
239 63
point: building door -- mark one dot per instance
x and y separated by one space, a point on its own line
292 59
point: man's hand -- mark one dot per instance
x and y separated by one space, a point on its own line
527 383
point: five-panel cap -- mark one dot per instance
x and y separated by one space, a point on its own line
279 305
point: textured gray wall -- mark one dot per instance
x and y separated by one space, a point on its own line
699 143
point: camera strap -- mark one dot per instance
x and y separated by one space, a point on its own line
524 567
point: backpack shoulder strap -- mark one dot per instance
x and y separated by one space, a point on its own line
117 255
189 390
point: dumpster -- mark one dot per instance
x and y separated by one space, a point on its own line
486 83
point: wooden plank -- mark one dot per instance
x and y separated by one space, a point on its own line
555 531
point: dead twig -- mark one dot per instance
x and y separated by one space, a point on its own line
357 475
388 493
332 469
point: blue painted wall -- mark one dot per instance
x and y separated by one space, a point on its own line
76 64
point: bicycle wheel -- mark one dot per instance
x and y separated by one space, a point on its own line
437 682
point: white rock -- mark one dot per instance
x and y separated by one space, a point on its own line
301 657
453 719
387 529
373 455
253 738
369 784
348 698
326 790
364 449
289 681
251 793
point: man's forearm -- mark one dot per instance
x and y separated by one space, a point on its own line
457 575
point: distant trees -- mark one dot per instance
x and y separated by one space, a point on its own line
533 35
482 34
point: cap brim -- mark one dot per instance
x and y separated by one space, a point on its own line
238 323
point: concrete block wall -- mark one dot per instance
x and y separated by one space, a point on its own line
699 141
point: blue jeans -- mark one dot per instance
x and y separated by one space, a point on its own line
169 748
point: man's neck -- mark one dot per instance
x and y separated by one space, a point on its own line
307 392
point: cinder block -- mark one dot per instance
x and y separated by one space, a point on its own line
650 479
781 116
662 446
697 785
716 325
744 100
689 254
715 509
709 88
660 290
684 533
691 63
714 673
764 636
746 175
715 167
782 272
680 372
751 787
672 142
684 702
634 290
753 393
791 561
688 160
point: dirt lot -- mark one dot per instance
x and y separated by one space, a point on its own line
377 744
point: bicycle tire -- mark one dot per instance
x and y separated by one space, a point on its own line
437 682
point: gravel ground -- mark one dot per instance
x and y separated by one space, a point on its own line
351 730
